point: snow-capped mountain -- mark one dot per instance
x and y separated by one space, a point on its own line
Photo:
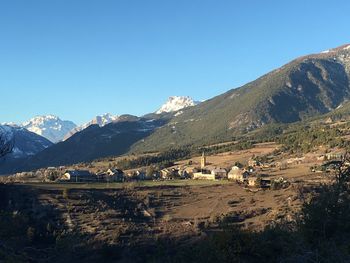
49 126
103 119
100 120
25 143
175 103
12 124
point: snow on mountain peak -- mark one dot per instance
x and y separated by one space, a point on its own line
40 120
100 120
49 126
104 119
175 103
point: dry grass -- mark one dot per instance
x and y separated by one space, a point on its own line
227 159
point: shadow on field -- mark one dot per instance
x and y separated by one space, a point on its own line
43 225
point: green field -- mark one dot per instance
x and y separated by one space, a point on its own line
126 185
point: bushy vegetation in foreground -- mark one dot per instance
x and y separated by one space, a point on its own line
320 233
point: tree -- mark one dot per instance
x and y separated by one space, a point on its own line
341 173
326 217
150 172
238 164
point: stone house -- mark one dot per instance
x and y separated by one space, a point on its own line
238 174
252 181
140 175
203 175
219 173
259 182
165 173
115 175
78 176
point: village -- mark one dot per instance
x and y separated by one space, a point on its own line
249 175
252 171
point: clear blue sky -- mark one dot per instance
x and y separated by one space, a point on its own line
80 58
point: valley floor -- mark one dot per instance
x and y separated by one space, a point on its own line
137 214
136 217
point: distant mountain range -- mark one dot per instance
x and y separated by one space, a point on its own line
104 135
101 121
50 126
309 86
54 129
94 142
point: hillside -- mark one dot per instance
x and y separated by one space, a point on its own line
25 143
124 218
306 87
309 87
94 142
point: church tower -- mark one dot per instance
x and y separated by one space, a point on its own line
203 161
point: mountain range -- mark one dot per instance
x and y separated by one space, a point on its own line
50 126
101 121
308 86
54 129
113 139
104 135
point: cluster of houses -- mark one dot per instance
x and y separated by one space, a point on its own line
117 175
111 175
205 172
236 173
